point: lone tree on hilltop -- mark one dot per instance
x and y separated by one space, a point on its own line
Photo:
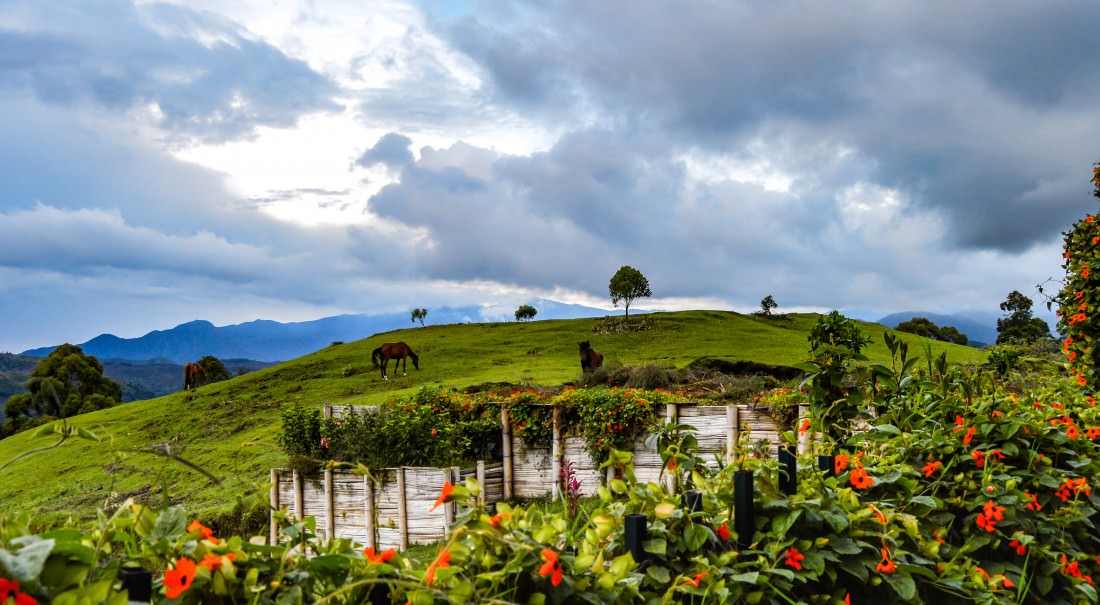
627 284
767 305
419 315
65 383
526 313
1019 325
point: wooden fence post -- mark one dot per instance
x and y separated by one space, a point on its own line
506 447
330 507
275 506
402 511
299 504
733 431
555 456
448 507
672 415
803 438
481 482
328 410
368 511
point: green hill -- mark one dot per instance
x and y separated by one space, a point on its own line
230 428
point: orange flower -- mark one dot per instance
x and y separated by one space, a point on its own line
724 532
878 514
969 436
443 559
847 598
207 533
179 578
930 468
212 562
805 426
979 457
381 557
497 519
936 535
840 462
794 558
694 581
860 479
448 489
1034 502
552 567
886 565
1072 432
1020 548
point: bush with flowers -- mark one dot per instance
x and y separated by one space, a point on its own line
1079 299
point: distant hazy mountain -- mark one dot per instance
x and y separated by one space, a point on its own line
272 341
980 327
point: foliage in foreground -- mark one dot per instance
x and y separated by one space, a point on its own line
958 493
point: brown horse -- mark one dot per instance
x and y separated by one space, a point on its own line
590 358
192 374
396 351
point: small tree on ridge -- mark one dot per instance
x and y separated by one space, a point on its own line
627 284
419 315
526 313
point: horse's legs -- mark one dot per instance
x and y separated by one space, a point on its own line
404 366
385 362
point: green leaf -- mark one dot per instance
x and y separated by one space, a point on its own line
84 433
171 524
844 546
657 546
838 521
783 522
902 584
659 574
928 501
85 595
785 573
887 428
694 537
26 563
746 578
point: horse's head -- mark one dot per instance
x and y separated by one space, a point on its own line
415 358
585 345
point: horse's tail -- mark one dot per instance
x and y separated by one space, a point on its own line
375 356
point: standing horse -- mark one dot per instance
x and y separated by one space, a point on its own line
396 351
192 374
590 358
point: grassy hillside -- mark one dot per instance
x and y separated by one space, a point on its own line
230 428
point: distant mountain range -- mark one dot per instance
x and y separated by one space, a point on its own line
980 327
272 341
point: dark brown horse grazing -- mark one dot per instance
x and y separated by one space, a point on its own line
192 374
396 351
590 358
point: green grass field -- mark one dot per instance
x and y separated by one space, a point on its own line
230 428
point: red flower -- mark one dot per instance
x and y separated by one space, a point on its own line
936 535
443 559
878 515
694 581
179 578
805 426
979 457
969 436
497 519
1072 432
444 496
847 598
794 558
886 565
930 468
11 588
552 567
1034 502
860 479
207 533
212 562
381 557
724 532
1020 548
840 462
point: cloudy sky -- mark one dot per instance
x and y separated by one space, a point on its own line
289 160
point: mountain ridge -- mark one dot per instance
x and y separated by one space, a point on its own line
271 341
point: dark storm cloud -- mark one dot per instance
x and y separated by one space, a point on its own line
391 150
207 79
982 114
